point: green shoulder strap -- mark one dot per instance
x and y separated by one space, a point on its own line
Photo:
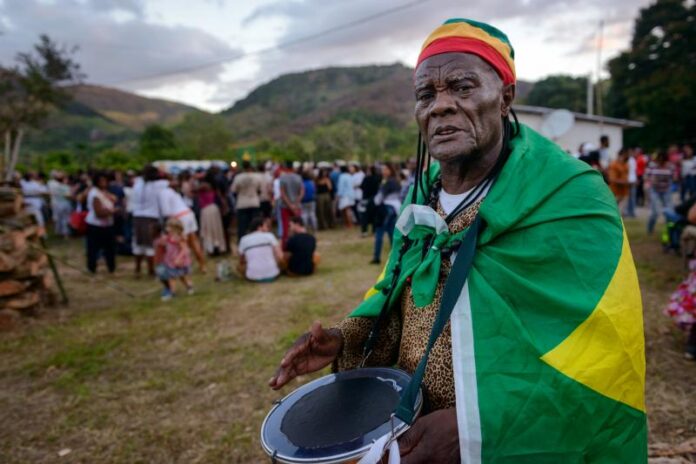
450 295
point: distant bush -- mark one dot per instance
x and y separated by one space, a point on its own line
118 160
63 160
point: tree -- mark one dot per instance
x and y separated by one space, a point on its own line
117 160
560 91
268 149
203 135
157 142
655 80
29 91
339 140
298 149
65 161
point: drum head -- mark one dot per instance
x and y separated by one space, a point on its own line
335 418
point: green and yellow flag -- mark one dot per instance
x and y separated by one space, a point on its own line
547 334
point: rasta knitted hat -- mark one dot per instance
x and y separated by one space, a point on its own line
480 39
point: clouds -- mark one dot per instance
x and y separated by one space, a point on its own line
552 19
549 35
185 52
117 44
133 6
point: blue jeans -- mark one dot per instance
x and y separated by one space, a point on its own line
279 219
387 226
688 187
630 209
674 232
665 200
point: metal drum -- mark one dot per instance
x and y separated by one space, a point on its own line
336 418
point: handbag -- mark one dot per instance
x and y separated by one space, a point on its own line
78 222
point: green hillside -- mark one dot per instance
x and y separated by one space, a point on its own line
352 112
294 104
361 112
99 117
76 127
130 110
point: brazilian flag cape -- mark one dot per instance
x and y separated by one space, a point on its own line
547 334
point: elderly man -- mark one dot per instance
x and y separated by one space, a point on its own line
542 358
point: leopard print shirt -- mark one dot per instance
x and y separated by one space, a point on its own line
404 336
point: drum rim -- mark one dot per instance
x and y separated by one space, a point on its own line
338 458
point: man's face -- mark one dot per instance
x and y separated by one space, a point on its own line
460 101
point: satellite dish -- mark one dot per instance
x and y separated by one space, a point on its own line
557 123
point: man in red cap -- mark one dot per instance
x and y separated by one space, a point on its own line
525 337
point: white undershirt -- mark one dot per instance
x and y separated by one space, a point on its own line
449 201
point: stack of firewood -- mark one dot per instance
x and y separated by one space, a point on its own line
26 281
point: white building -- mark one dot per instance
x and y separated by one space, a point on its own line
587 128
177 166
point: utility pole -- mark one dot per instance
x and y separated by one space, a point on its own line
600 43
590 95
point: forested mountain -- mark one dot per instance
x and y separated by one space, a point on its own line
294 104
362 111
101 117
128 109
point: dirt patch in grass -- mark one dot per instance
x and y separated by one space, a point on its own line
122 380
670 377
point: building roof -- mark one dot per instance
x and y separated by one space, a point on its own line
625 123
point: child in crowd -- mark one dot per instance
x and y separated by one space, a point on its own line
682 309
173 258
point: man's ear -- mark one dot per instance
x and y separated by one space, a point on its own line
508 97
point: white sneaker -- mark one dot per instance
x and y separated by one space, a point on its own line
167 295
190 291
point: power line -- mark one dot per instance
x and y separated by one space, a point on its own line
287 44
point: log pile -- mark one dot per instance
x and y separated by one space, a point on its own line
26 282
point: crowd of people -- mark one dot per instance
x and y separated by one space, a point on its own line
266 215
666 181
637 179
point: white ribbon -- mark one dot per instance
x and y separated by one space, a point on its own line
376 451
420 215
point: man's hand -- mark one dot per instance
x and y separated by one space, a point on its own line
432 439
312 351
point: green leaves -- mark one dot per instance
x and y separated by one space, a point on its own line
36 84
655 81
157 142
203 136
560 91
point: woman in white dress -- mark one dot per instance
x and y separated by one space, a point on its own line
101 237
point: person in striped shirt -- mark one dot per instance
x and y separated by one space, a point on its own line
659 175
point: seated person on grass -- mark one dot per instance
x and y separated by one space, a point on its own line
259 253
683 232
300 255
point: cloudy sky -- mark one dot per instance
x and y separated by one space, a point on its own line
209 53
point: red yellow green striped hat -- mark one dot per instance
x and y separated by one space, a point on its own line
480 39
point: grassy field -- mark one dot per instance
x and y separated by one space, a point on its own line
118 379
